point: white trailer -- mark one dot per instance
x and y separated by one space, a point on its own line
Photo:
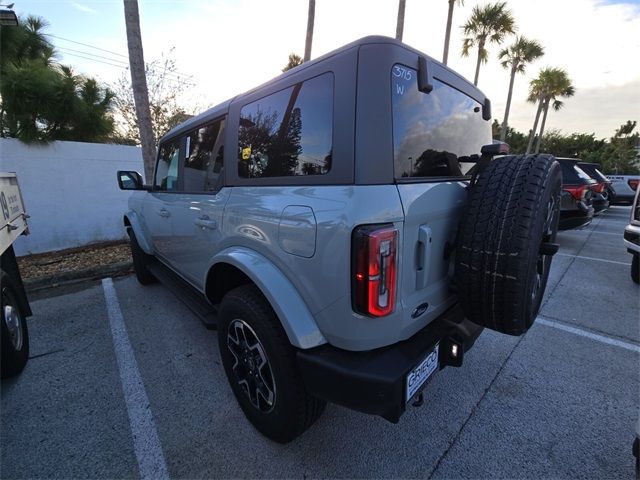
14 336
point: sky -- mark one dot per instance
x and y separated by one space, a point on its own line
226 47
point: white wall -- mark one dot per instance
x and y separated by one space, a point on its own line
70 190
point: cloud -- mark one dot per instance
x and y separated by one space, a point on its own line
83 8
232 46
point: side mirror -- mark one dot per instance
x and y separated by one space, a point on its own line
129 180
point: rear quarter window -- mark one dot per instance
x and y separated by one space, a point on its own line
288 133
434 134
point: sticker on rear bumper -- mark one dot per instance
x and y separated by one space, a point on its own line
417 377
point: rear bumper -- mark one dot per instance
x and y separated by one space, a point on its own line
632 238
374 381
623 199
575 218
600 203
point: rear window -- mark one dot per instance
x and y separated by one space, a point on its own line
571 173
593 172
434 134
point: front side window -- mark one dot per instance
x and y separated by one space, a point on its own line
288 133
435 133
203 159
167 169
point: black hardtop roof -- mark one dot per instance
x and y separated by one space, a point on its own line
567 159
222 108
590 164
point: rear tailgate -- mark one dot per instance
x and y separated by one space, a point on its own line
13 220
432 212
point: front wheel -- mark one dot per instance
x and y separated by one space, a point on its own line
14 335
260 365
141 261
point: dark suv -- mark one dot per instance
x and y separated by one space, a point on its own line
576 207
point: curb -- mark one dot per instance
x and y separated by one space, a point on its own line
76 276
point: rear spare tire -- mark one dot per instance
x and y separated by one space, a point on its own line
505 241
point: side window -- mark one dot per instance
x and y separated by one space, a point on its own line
288 133
203 160
167 170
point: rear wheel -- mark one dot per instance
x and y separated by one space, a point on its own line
141 260
260 365
506 242
635 268
14 336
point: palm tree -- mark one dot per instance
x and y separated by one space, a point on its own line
492 23
139 86
447 35
294 61
516 57
310 19
550 84
400 24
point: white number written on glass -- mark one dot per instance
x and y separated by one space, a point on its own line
403 73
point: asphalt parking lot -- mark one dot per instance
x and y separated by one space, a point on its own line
125 382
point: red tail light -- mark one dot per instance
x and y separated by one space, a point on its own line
633 183
374 269
598 187
578 192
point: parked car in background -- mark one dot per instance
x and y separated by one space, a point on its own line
625 187
576 205
632 238
602 190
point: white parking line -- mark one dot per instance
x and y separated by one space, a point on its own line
594 259
587 334
146 443
617 234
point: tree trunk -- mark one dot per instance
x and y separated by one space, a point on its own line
480 47
447 35
139 87
310 19
400 25
503 130
544 120
535 127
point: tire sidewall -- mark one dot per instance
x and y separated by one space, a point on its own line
13 361
140 260
552 187
275 423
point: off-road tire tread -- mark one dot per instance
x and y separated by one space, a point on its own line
493 251
141 260
308 407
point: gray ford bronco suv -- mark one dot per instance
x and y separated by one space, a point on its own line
347 230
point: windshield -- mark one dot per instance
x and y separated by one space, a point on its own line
434 133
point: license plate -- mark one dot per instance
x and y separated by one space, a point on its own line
417 377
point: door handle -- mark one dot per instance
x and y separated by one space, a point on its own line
163 212
205 222
423 256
